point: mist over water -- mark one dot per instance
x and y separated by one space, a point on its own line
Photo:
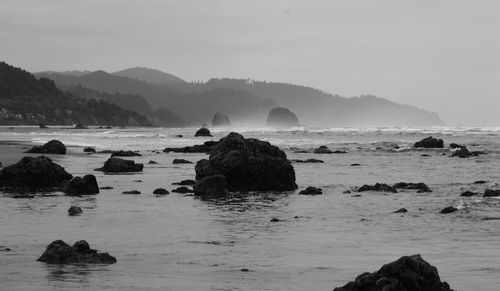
177 242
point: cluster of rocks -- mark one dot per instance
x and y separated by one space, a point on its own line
460 151
382 187
59 252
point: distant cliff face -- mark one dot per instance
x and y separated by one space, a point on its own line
280 117
27 100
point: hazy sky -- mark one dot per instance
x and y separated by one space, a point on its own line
439 55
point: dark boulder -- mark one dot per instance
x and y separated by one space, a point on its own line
355 165
185 183
280 117
480 182
220 120
379 187
74 210
248 165
113 165
448 209
468 194
429 142
52 147
131 192
311 191
183 190
420 187
491 193
152 162
461 152
33 174
160 191
125 154
206 147
89 150
58 252
211 186
308 161
401 210
181 161
409 273
81 186
203 132
322 150
456 146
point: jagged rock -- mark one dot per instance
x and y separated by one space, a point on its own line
401 210
322 150
122 153
409 273
181 161
131 192
113 165
311 191
203 132
491 193
81 186
58 252
248 165
429 142
206 147
308 161
211 186
448 209
33 174
282 118
220 120
52 147
89 150
183 190
185 183
468 194
74 210
160 191
380 187
420 187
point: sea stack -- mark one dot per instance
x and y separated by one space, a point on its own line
220 120
280 117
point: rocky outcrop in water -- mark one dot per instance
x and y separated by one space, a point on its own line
308 161
182 190
33 174
420 187
203 132
122 153
248 165
409 273
429 142
81 186
311 191
281 117
211 186
89 150
491 193
185 183
378 187
52 147
206 147
74 210
220 120
448 209
181 161
160 191
132 192
58 252
113 165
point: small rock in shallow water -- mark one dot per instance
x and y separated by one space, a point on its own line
131 192
89 150
74 210
58 252
113 165
312 161
160 191
421 187
355 165
380 187
429 142
203 132
275 220
106 188
52 147
185 183
152 162
81 186
245 270
448 209
491 193
122 153
181 161
182 190
311 191
401 210
480 182
468 194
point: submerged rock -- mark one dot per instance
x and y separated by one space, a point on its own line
122 153
74 210
448 209
33 174
183 190
429 142
248 165
114 165
181 161
52 147
491 193
185 183
203 132
152 162
58 252
131 192
468 194
211 186
220 120
409 273
311 191
380 187
281 117
160 191
206 147
81 186
401 210
420 187
311 161
89 150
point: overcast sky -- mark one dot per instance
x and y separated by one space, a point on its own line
442 56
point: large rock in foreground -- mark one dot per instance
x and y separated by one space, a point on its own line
220 120
114 165
409 273
52 147
248 165
429 142
33 174
82 186
58 252
282 118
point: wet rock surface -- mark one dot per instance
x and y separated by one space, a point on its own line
378 187
211 186
81 186
160 191
311 191
181 161
420 187
52 147
74 210
206 147
58 252
203 132
114 165
429 142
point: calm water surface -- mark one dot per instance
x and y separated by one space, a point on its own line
178 242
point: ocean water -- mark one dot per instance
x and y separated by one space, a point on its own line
178 242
